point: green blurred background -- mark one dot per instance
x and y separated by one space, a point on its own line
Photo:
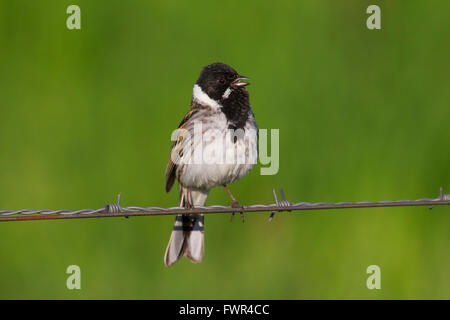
363 115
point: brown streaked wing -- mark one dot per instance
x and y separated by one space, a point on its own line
172 167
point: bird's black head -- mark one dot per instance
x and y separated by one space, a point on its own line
217 80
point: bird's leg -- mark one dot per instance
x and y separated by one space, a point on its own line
234 204
187 203
231 196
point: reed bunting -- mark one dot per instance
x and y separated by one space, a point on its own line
216 144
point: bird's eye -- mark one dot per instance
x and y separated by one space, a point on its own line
222 80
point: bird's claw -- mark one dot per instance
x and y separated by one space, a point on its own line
236 205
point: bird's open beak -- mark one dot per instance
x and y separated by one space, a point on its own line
240 82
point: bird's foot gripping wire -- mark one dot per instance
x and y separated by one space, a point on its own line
188 205
236 205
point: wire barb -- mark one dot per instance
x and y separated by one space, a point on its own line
115 207
443 196
283 203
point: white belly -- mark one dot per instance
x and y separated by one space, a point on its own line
223 161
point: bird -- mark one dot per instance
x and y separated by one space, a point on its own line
220 113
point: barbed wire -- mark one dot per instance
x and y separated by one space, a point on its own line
116 210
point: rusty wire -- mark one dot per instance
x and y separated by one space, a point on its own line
116 210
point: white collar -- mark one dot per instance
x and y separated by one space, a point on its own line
201 97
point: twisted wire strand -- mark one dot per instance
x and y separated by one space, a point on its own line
116 210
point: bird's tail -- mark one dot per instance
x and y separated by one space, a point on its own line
187 237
